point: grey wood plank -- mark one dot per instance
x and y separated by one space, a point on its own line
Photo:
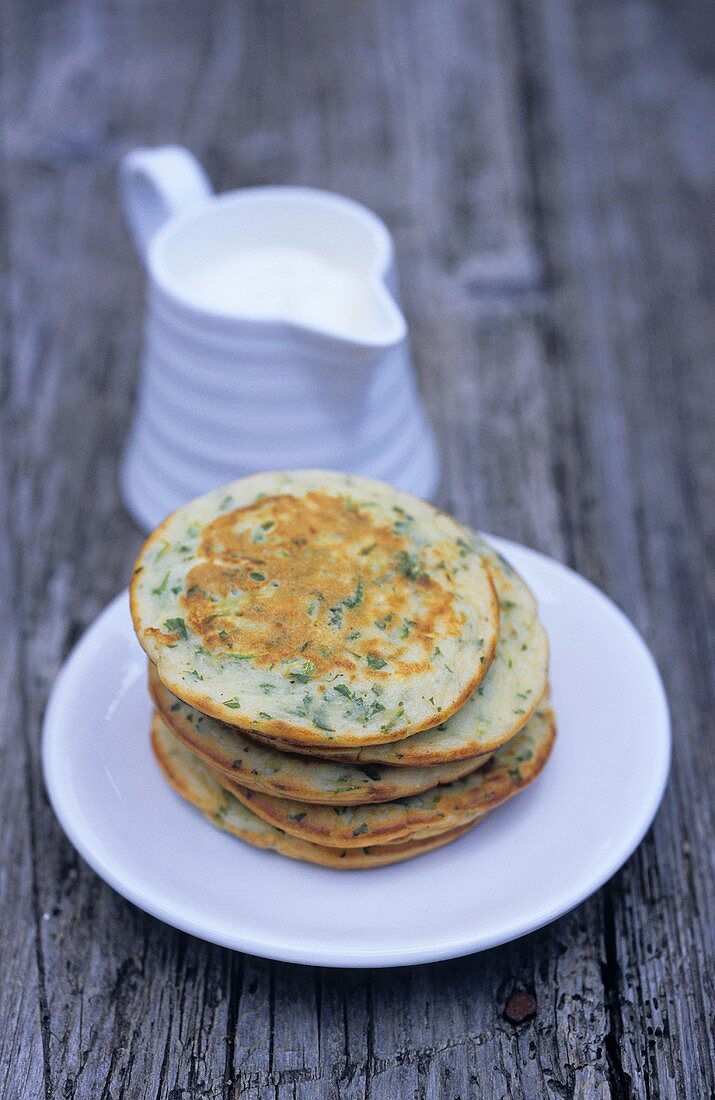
344 1020
22 990
553 255
629 243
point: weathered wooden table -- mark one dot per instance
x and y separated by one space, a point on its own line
547 168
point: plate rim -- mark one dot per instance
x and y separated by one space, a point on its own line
280 949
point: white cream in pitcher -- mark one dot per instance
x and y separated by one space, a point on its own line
294 284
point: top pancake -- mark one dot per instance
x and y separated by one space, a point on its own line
319 607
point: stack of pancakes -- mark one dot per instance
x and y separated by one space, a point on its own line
340 672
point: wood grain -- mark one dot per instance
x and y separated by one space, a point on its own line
548 169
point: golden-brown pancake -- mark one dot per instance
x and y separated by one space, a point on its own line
317 607
261 767
193 781
512 768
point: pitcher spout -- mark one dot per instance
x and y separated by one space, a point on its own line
383 323
363 315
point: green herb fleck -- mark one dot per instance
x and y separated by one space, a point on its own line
356 598
176 626
375 661
395 718
335 615
160 588
408 565
304 674
234 704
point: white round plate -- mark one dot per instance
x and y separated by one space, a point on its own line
532 860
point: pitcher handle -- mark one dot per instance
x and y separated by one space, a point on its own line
155 184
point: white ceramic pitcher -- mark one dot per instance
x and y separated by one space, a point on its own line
222 395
